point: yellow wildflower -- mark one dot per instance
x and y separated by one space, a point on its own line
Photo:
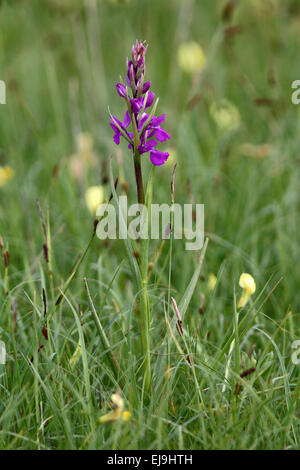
117 413
225 114
94 196
126 415
191 57
6 174
212 280
248 284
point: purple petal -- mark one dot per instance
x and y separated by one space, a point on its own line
146 87
126 119
116 120
121 89
117 138
114 127
147 146
161 134
156 121
143 138
130 69
137 104
140 62
117 134
150 99
158 158
142 120
151 133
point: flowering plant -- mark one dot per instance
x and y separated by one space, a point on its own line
143 137
146 131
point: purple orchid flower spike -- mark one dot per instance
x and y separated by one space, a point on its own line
147 133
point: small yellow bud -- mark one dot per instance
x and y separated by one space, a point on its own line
212 280
117 413
225 114
117 400
126 415
191 57
248 284
94 196
6 174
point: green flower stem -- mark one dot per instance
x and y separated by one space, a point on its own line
145 318
143 298
137 162
139 179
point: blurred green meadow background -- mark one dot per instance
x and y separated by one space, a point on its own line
223 71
